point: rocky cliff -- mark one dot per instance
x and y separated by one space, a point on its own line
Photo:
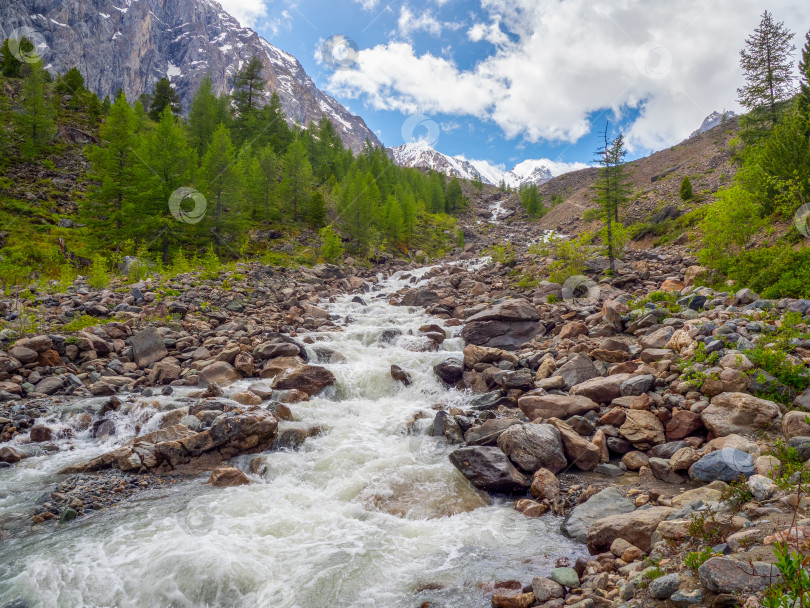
131 44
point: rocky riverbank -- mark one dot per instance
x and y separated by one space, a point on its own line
646 410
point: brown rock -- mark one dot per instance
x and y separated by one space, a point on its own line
578 450
221 372
614 417
573 330
642 428
794 425
530 508
310 379
600 390
545 485
247 398
40 434
555 406
728 381
682 424
512 598
636 528
739 413
49 358
635 460
227 477
10 455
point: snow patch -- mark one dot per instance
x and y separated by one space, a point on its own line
173 71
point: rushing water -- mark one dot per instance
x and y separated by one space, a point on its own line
369 513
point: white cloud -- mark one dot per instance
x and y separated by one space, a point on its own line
247 12
409 22
557 63
368 4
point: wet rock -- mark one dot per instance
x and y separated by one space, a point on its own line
41 434
148 347
636 528
727 464
311 379
449 371
227 477
607 502
271 350
247 398
530 508
421 296
567 577
555 406
10 455
739 413
729 575
507 325
490 469
545 485
533 446
400 375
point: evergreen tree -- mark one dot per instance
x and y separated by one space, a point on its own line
297 183
767 64
220 182
331 245
530 199
263 183
167 163
114 168
248 86
394 229
686 189
205 114
804 74
454 197
71 82
317 210
35 120
164 96
10 65
612 188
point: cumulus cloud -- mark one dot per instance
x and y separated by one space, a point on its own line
247 12
557 66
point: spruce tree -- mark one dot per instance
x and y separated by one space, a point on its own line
767 64
686 189
804 74
297 183
263 183
36 120
394 229
220 183
317 210
114 166
248 86
164 96
205 114
454 197
10 65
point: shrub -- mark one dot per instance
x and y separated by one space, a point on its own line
331 244
686 189
695 559
98 276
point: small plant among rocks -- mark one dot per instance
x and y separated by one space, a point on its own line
695 559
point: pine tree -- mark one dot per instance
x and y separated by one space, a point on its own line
220 182
454 197
317 210
167 163
114 167
612 187
35 121
263 183
331 244
71 83
767 64
804 74
297 183
248 90
205 114
164 96
686 189
530 199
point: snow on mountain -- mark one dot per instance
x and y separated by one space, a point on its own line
713 120
422 154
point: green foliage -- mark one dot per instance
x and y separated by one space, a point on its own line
695 559
331 244
776 362
703 525
80 322
164 96
10 64
613 190
36 120
686 189
570 256
98 276
728 226
736 494
791 466
794 587
502 254
210 264
71 82
531 201
615 239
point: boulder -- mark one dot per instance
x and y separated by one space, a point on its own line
23 354
489 468
739 413
533 446
578 450
682 424
311 379
545 589
506 325
474 355
420 296
573 330
49 385
545 485
729 575
727 464
555 406
657 339
400 375
601 390
727 381
576 370
271 350
449 371
148 347
40 434
10 455
794 425
636 528
642 428
219 372
607 502
227 477
488 432
636 385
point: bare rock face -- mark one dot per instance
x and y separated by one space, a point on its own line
132 48
148 347
179 448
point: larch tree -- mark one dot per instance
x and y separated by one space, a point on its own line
221 184
164 96
612 188
36 119
297 183
205 114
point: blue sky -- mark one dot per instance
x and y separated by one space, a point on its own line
510 80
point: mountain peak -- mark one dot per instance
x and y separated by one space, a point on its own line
713 120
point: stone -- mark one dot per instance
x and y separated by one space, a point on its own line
271 350
607 502
220 373
683 459
545 589
763 488
651 355
683 424
573 330
619 546
663 587
767 465
579 451
657 339
49 385
729 575
533 446
662 470
736 361
728 381
164 372
631 554
576 370
489 468
794 425
530 508
473 355
636 385
311 379
421 297
635 460
488 432
680 341
247 398
148 347
556 406
227 477
567 577
642 427
703 495
10 455
744 538
601 390
545 485
739 413
727 464
449 371
802 400
22 354
400 375
40 434
507 325
511 598
637 528
801 445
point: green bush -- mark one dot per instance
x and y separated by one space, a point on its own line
98 276
686 189
331 244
